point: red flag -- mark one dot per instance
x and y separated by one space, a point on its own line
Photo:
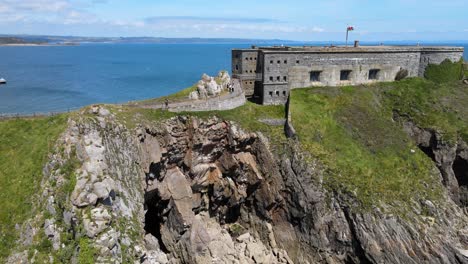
350 28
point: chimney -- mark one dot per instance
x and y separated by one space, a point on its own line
356 43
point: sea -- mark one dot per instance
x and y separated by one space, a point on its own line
50 79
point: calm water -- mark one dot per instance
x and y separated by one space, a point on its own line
47 79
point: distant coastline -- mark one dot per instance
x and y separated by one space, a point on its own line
37 44
46 40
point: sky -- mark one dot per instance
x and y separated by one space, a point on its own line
306 20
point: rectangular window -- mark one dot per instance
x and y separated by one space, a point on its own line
345 75
271 78
374 74
297 62
285 62
285 78
315 76
279 62
277 93
270 93
278 78
271 62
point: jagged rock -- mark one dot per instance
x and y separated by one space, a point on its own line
451 159
194 95
243 238
97 222
51 205
189 190
49 227
109 239
209 86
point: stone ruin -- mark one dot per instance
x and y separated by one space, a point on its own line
211 86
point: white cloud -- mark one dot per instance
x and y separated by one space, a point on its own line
38 6
68 13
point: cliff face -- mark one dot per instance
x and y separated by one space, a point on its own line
450 158
191 190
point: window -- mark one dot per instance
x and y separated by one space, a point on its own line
237 67
284 93
285 62
279 62
277 93
271 62
250 83
271 94
255 58
246 71
247 58
345 75
237 56
271 78
315 76
374 74
298 61
278 78
285 78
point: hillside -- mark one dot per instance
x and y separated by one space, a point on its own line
376 174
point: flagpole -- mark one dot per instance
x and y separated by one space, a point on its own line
347 31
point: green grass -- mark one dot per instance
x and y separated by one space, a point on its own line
24 145
439 106
247 116
351 130
465 69
447 71
175 97
87 252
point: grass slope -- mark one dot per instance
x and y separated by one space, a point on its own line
24 145
352 131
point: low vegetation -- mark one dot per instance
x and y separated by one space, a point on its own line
248 116
353 132
445 72
175 97
24 145
366 153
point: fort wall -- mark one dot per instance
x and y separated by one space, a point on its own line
269 73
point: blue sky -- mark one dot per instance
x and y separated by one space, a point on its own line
309 20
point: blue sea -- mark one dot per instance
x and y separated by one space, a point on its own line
58 78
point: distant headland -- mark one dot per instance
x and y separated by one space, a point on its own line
40 40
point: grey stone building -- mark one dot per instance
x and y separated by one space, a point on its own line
268 73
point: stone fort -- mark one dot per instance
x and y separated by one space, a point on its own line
268 73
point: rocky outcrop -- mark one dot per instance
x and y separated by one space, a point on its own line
451 158
205 189
191 190
211 86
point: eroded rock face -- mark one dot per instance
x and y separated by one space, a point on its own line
204 189
189 190
229 180
450 158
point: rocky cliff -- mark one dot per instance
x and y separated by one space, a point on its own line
202 190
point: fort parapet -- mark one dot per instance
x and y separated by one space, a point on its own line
268 73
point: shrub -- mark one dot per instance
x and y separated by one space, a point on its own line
447 71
